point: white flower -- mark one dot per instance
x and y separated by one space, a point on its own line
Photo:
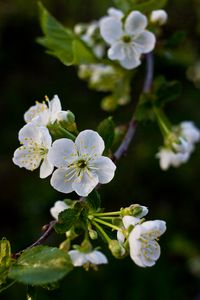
144 249
131 221
81 165
43 114
57 208
81 258
159 16
36 142
177 153
128 40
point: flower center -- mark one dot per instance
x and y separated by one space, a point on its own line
81 164
126 39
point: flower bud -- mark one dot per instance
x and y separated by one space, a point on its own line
108 103
116 248
159 17
66 116
65 245
93 234
135 210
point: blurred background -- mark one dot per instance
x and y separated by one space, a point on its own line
26 75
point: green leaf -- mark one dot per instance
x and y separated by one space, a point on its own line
5 259
94 200
41 265
106 129
144 110
166 91
67 219
61 42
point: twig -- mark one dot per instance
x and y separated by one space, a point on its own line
121 151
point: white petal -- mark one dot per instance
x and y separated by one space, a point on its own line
62 153
132 58
113 12
57 208
152 229
85 184
104 168
190 131
89 144
144 211
34 111
120 237
129 220
61 181
165 158
30 133
145 42
46 168
116 51
25 157
54 108
78 258
135 23
46 139
159 16
111 29
96 258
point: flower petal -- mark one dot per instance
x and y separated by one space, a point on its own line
34 111
129 220
116 51
113 12
132 59
85 183
78 258
54 108
120 237
57 208
46 168
89 144
135 23
25 157
61 181
46 139
104 168
145 42
111 29
96 258
62 153
30 133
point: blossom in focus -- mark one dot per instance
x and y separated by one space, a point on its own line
131 221
80 164
36 142
44 114
177 150
159 16
58 207
128 39
86 258
144 249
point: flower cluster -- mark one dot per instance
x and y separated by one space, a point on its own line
178 145
80 164
135 236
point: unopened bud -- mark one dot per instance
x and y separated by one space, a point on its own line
65 245
134 210
159 17
66 116
109 103
116 248
93 234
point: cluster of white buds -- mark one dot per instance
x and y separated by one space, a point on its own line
178 145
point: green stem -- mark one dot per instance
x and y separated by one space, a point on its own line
113 213
163 122
100 229
107 224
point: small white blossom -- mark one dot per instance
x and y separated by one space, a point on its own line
36 142
179 151
80 164
159 16
82 258
57 208
44 114
128 39
131 221
144 249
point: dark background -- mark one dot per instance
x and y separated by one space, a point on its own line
26 75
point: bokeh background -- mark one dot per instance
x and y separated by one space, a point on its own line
26 75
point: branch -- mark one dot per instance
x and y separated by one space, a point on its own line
121 151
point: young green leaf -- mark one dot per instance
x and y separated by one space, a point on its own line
41 265
94 200
61 42
5 259
106 129
66 220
